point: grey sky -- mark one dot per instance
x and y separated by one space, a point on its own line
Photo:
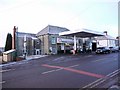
33 15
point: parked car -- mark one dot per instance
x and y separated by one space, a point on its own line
114 49
102 50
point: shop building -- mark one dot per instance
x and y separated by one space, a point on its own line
51 42
26 43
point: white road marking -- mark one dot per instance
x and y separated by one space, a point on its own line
113 72
74 65
104 79
99 60
2 82
116 59
57 59
92 83
48 71
89 56
99 81
2 71
58 69
104 59
115 56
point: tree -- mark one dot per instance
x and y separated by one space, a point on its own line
8 45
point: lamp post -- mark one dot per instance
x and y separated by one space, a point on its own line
15 41
25 52
119 41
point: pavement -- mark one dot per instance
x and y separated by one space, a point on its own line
28 58
31 57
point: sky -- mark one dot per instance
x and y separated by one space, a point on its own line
31 16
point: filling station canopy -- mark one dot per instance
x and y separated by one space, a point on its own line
83 33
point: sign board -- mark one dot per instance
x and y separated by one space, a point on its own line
64 40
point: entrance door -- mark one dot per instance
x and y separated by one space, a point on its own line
94 46
37 52
53 50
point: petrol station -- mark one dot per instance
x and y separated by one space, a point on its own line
82 33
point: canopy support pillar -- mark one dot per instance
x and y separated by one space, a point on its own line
75 44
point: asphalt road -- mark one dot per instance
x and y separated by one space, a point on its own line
59 71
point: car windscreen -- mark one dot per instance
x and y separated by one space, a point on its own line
110 47
101 48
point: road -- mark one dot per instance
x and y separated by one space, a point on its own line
60 71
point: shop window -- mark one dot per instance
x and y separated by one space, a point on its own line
53 41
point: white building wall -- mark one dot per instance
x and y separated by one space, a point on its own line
106 43
112 43
101 43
